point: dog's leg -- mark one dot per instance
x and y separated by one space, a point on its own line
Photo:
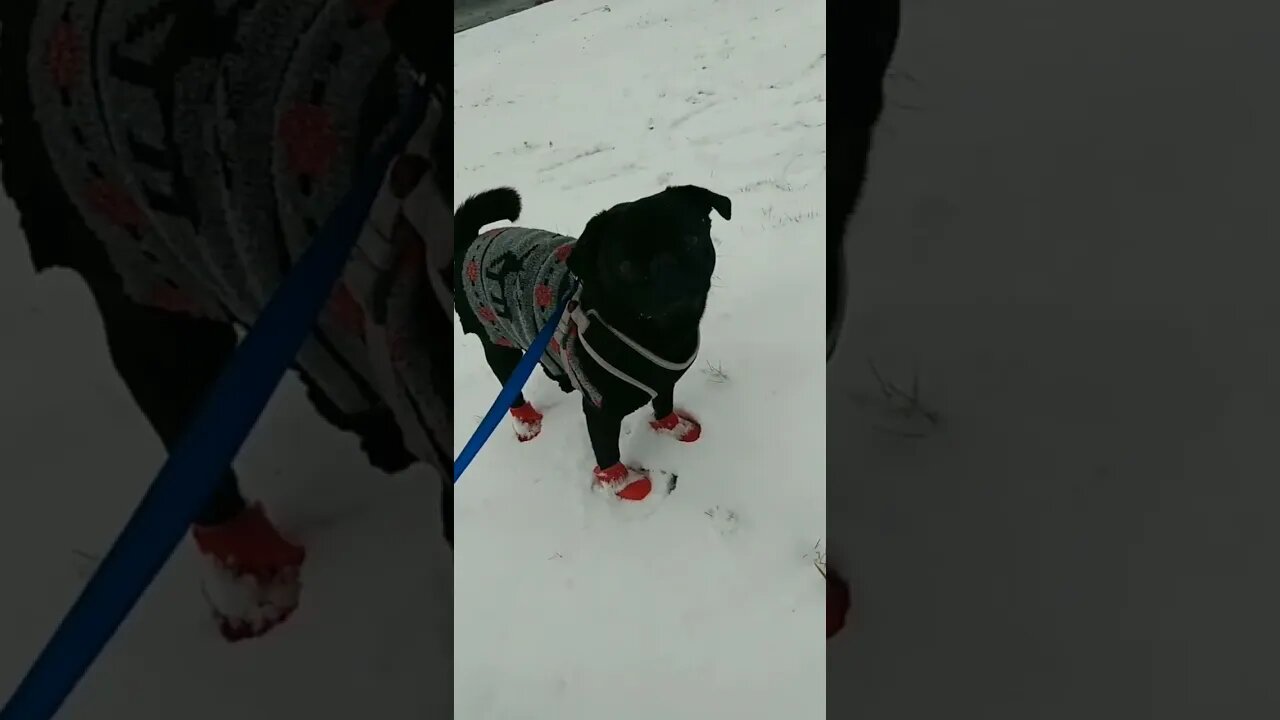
524 416
446 510
669 421
603 428
854 113
169 361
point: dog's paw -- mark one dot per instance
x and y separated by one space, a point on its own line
252 575
527 421
678 425
624 482
245 606
838 603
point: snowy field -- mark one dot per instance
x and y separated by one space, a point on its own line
375 606
708 603
1071 231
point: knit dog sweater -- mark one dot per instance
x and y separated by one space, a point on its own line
514 278
205 143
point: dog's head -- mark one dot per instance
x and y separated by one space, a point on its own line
651 258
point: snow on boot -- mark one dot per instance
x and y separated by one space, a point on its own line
626 483
251 573
678 425
527 421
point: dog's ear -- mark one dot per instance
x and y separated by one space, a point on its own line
704 198
582 261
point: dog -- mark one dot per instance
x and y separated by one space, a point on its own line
179 157
636 281
855 107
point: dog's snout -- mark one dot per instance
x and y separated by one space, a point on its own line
676 283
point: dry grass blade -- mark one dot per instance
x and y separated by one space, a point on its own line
905 403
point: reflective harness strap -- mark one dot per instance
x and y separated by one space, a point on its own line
577 321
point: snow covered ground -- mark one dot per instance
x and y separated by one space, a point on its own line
1071 231
375 613
709 605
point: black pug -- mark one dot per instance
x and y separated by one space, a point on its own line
631 329
869 31
179 157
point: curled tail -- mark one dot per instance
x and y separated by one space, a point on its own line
480 210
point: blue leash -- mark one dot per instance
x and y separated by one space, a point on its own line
512 388
198 463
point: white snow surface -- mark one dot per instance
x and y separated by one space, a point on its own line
375 606
707 603
1070 232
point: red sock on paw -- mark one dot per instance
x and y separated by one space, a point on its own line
679 425
624 482
527 421
253 573
249 544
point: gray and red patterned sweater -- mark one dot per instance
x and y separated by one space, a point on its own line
206 141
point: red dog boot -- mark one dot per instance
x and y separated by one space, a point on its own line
837 603
252 574
679 425
528 422
626 484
